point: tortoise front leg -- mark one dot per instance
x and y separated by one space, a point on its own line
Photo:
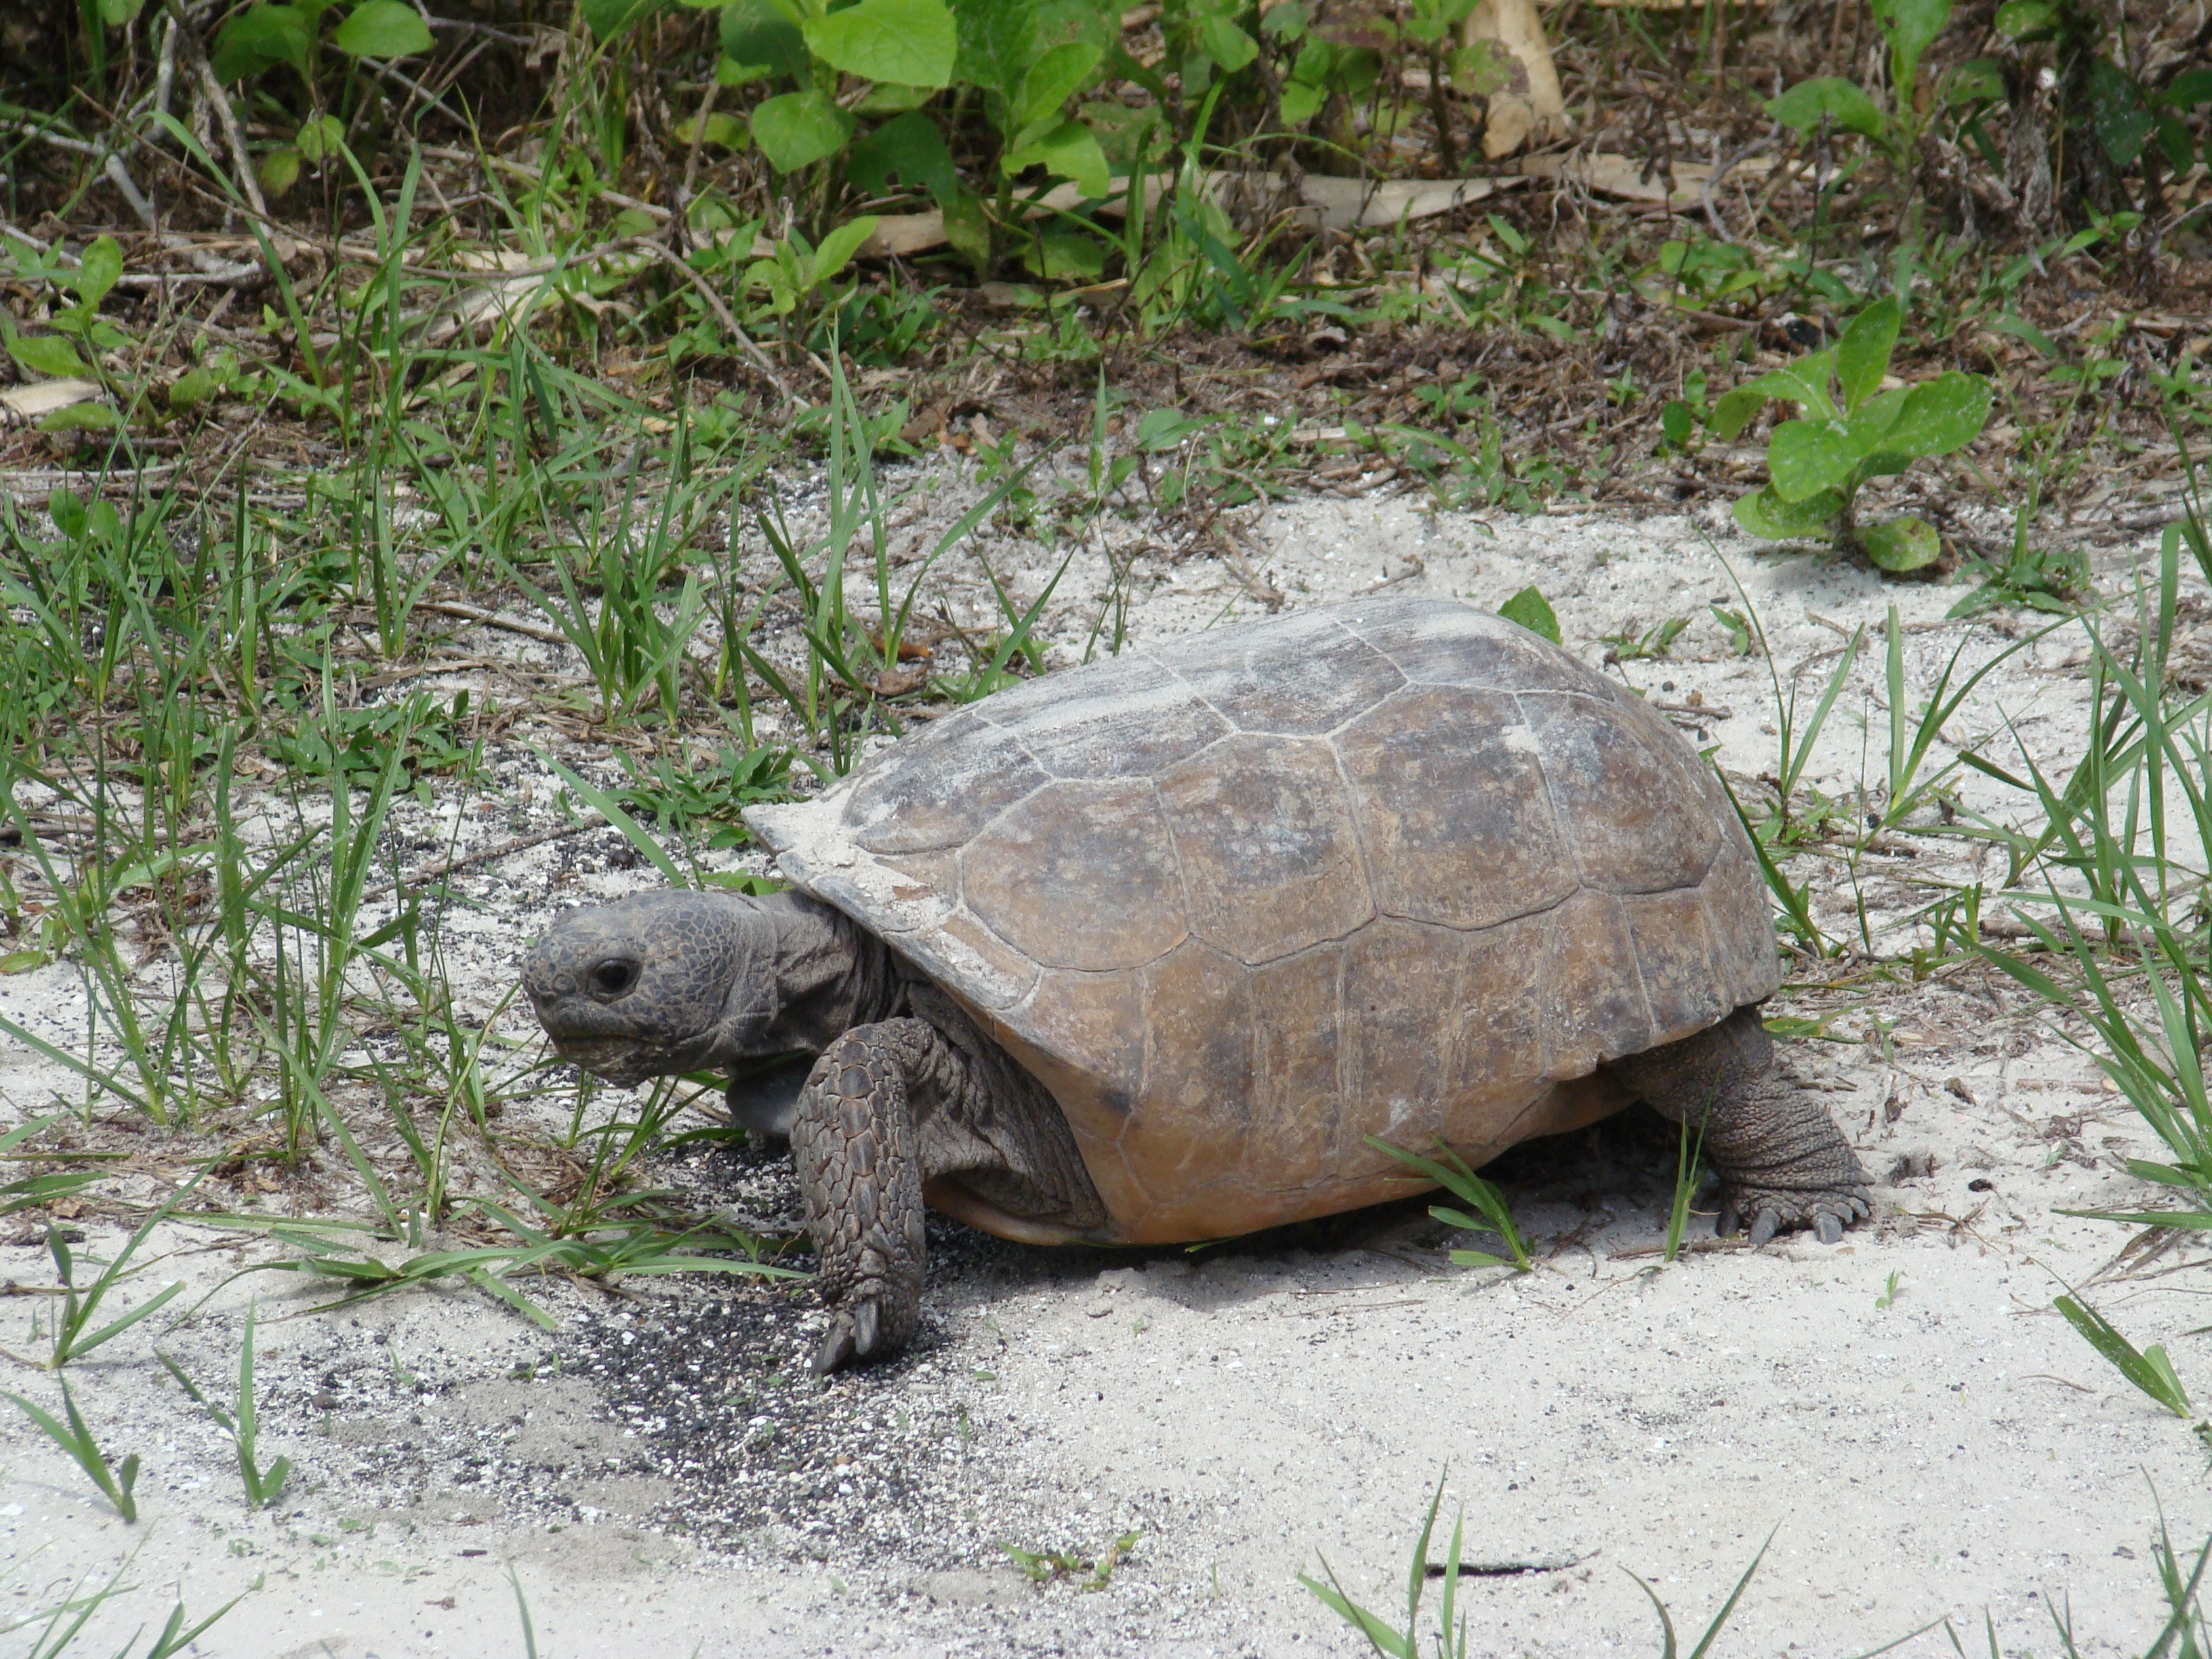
1782 1160
852 1139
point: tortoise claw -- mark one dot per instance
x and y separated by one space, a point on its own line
837 1351
861 1331
1774 1211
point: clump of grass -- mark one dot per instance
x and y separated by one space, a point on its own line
75 1332
1449 1170
1689 1174
1449 1640
242 1423
2149 1369
116 1481
1091 1572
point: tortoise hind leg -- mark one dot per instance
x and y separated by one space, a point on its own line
853 1142
1781 1159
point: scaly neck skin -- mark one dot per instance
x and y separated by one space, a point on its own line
831 975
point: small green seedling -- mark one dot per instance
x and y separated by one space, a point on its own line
2041 578
1043 1567
1649 646
798 270
76 1440
1741 639
1533 611
1851 430
243 1426
1889 1296
1454 1176
2149 1369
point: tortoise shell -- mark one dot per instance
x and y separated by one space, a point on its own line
1392 867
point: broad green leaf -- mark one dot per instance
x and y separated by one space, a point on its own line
2176 141
1900 545
116 12
2115 111
911 42
1863 355
1735 411
723 131
1764 513
1807 458
1828 97
2188 89
1871 423
1226 44
968 228
1805 382
1980 80
1073 152
1301 102
47 354
383 28
1058 254
1164 428
1483 67
1677 423
1910 26
195 386
2024 20
885 98
280 169
22 962
320 139
608 18
259 37
758 31
99 269
1532 610
1053 80
799 129
81 417
999 41
1070 150
839 246
910 151
1940 416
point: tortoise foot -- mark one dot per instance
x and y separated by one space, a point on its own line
1780 1210
873 1323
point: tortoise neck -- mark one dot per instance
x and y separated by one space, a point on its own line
831 974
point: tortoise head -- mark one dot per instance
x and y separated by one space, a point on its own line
656 984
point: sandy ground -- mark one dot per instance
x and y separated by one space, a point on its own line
1903 1414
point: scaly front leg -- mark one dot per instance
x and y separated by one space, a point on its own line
852 1142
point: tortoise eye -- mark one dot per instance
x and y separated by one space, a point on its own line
613 977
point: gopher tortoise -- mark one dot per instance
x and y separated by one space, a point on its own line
1144 952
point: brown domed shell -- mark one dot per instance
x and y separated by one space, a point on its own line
1393 867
